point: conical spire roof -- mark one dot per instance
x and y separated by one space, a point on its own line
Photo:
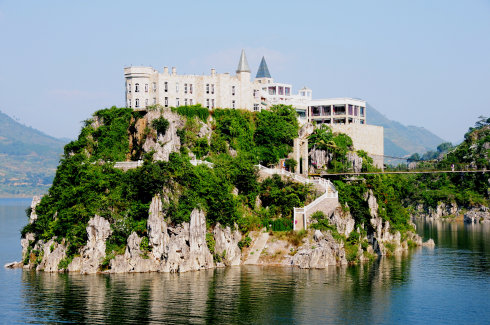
263 71
243 64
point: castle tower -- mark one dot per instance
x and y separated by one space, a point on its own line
243 75
263 75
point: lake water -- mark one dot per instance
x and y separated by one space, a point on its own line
446 285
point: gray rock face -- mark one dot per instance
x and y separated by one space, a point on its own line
35 201
355 161
187 248
323 253
477 215
319 158
157 229
164 145
53 253
92 254
442 210
227 243
343 221
133 260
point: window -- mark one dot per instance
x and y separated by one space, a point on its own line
212 103
178 102
190 88
356 110
154 86
362 112
136 102
207 88
146 88
256 107
185 102
185 88
351 109
287 91
233 104
212 89
129 103
166 101
190 102
233 90
129 88
146 102
165 85
154 101
177 87
272 90
255 92
281 90
136 88
207 102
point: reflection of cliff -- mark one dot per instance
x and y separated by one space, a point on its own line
359 294
472 240
230 295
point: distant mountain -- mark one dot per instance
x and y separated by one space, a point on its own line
28 159
401 140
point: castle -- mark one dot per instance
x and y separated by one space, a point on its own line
145 86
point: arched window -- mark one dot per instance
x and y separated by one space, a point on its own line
136 102
136 88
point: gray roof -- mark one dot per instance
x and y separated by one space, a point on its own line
243 64
263 71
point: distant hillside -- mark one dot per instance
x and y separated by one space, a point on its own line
28 159
401 140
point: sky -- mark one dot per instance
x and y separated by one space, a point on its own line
419 62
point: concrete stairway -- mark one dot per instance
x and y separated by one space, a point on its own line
257 248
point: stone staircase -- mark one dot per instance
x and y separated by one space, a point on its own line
256 250
326 203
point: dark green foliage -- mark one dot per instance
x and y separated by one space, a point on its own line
160 125
336 144
290 164
245 242
276 129
281 224
236 127
193 111
210 242
282 196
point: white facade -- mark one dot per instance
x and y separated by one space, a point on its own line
146 86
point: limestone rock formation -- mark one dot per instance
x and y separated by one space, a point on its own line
165 144
134 259
323 253
35 201
157 229
53 253
442 210
92 254
477 215
355 161
343 221
227 244
187 249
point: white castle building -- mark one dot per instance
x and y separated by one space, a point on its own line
145 86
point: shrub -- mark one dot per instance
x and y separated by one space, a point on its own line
160 125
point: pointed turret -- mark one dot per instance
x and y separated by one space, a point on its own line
243 64
263 71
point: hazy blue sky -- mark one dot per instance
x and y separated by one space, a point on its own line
424 63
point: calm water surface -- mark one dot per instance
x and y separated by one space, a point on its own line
446 285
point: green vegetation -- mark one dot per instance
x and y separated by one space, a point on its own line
86 184
160 125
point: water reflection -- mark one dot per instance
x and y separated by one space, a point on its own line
231 295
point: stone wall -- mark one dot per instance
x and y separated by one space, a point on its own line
365 137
